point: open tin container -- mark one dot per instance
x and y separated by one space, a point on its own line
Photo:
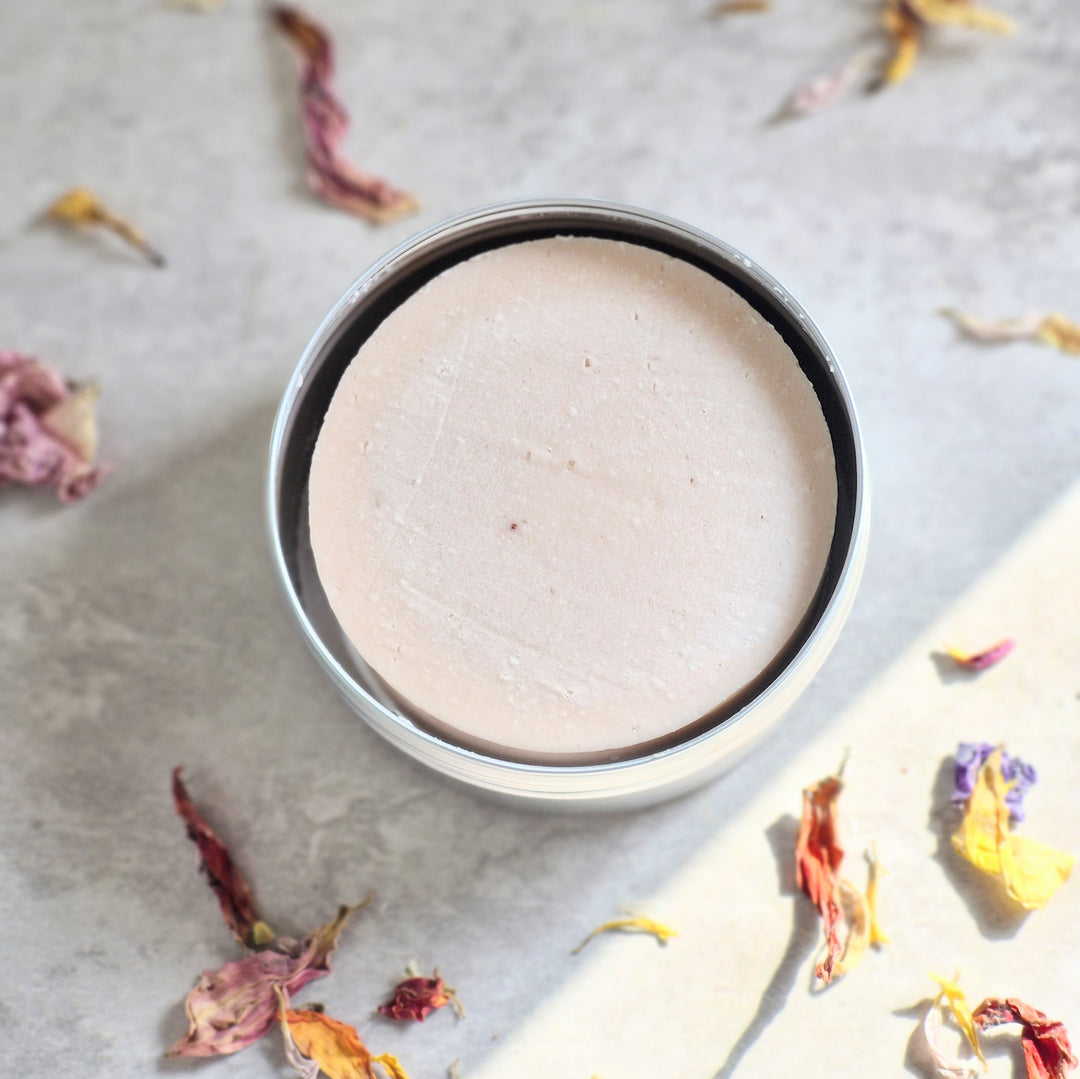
710 747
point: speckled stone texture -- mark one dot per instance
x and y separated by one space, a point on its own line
143 627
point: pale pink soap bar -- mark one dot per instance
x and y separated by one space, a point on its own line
570 497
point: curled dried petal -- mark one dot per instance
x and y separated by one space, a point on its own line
79 207
331 175
818 855
1047 1052
994 331
417 997
903 29
952 992
825 90
48 429
630 925
391 1065
951 13
980 661
235 1006
215 861
304 1066
1060 332
944 1065
874 875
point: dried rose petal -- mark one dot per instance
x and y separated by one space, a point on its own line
234 895
331 175
417 997
48 432
818 855
235 1006
1047 1052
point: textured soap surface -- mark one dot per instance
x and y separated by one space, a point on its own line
571 496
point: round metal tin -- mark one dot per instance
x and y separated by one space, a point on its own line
635 781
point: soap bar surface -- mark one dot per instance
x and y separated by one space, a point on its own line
571 496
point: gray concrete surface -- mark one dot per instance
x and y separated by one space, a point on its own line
143 628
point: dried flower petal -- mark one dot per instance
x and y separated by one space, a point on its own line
874 875
980 661
952 992
391 1065
331 175
1047 1052
1054 330
1020 328
235 1006
334 1046
905 20
738 7
960 13
630 925
1060 332
824 91
903 27
234 895
1032 872
818 855
1020 776
945 1066
80 207
417 997
304 1066
48 429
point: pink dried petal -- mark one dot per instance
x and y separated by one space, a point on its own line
825 90
235 1006
979 661
331 175
48 434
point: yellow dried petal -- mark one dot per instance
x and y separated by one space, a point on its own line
80 206
1060 332
985 826
74 420
904 31
875 873
946 13
738 7
1032 871
391 1065
857 917
958 1002
630 925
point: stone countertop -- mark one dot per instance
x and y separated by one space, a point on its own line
143 627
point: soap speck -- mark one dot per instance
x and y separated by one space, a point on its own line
571 465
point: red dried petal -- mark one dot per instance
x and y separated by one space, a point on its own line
416 998
818 855
1047 1052
234 895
